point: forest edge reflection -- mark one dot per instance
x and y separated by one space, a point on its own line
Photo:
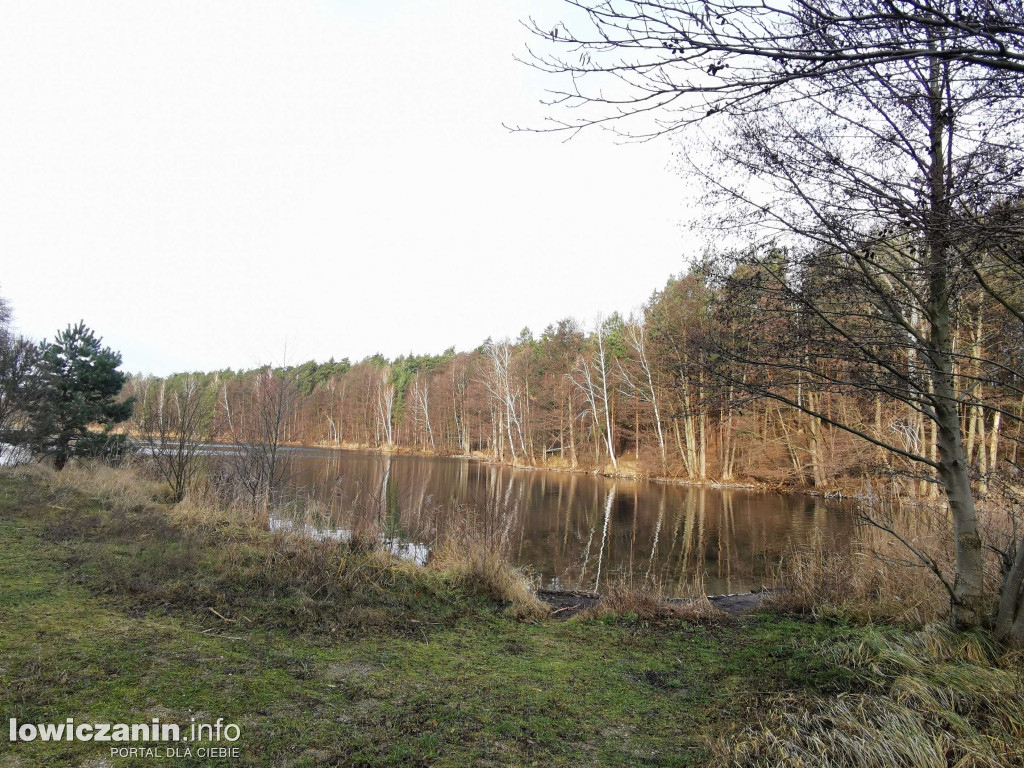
567 530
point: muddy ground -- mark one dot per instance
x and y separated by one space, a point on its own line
566 603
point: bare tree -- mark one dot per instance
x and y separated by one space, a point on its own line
174 422
385 407
505 388
260 432
868 206
421 398
862 146
642 386
593 378
872 203
665 65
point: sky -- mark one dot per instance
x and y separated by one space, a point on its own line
229 184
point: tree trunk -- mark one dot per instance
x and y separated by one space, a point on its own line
1009 626
993 450
60 456
954 470
968 595
573 458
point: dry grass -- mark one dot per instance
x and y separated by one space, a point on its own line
209 559
122 489
482 570
698 610
204 509
934 698
862 586
880 579
619 601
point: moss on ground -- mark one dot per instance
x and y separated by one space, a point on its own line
329 657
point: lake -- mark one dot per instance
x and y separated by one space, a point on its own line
571 531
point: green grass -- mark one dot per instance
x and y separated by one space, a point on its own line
105 617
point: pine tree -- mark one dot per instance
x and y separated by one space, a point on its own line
75 385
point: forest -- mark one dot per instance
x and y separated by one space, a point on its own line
660 394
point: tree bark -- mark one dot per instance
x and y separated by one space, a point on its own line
968 603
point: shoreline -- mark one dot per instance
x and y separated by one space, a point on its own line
753 486
748 485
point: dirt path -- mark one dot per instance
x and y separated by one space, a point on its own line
739 603
570 602
566 603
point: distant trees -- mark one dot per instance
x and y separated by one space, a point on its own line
526 401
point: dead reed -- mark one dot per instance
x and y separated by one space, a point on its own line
893 571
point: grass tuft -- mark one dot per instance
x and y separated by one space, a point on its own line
933 698
479 569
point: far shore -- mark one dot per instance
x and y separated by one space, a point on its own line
625 472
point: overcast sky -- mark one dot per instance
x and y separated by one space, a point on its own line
209 183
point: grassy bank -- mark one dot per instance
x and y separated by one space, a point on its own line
117 608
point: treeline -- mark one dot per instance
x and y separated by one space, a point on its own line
663 393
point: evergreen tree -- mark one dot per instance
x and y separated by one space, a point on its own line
76 381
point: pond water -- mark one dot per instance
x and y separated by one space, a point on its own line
572 531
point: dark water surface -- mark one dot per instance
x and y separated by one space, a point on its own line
573 531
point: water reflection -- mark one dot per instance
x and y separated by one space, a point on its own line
406 550
573 531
